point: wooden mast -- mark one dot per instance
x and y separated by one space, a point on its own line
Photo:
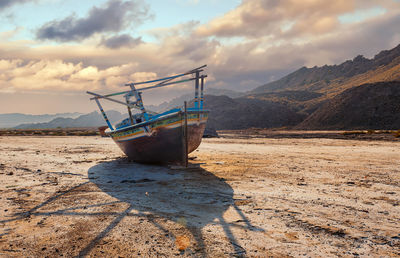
185 136
201 92
196 91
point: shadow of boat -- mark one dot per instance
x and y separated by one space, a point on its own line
194 198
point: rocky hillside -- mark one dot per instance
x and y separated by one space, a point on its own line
241 113
369 106
331 79
307 89
313 92
303 102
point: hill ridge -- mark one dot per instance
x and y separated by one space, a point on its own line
319 78
368 106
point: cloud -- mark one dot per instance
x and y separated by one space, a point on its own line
184 29
180 41
56 75
239 65
8 3
119 41
255 61
5 35
115 16
195 49
284 18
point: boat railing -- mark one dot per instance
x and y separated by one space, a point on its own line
157 83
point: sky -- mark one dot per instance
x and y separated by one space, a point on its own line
53 51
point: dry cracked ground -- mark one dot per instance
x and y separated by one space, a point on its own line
78 196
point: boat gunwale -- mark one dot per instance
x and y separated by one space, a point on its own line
142 124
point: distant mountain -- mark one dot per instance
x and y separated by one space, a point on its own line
93 119
333 79
14 119
187 97
311 91
369 106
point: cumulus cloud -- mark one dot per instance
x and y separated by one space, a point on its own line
8 3
115 16
239 65
290 18
179 41
181 29
119 41
195 49
57 75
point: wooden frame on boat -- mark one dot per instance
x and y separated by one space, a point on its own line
150 137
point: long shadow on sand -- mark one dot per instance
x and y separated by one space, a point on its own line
195 197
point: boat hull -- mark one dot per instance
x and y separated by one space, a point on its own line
161 141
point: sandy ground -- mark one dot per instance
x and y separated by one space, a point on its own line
78 196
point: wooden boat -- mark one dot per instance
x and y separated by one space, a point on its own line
149 137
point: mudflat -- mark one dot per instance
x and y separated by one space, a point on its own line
79 196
